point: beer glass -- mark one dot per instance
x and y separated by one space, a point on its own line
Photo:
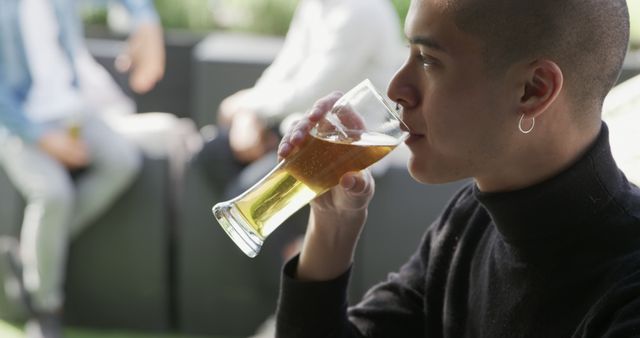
360 129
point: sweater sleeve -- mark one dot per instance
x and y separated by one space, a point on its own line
626 321
394 308
312 309
319 309
141 11
617 313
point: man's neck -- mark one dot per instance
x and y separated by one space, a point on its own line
553 150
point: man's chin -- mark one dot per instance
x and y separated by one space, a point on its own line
431 175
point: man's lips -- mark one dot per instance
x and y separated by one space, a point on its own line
413 137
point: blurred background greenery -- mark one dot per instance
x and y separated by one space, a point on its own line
634 12
264 17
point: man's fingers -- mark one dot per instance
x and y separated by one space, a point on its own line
144 76
322 106
284 149
144 58
296 136
357 183
351 119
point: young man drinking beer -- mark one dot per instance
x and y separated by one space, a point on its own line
546 240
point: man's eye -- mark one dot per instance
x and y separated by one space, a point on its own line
427 61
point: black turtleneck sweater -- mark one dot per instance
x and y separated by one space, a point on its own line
558 259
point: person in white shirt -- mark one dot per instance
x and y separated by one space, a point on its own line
69 165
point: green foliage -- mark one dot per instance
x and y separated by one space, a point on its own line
274 16
186 14
267 17
634 12
270 17
94 15
402 7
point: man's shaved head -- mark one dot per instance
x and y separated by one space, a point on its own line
587 38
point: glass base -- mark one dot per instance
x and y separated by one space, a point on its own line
235 225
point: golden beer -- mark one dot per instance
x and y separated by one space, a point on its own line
360 129
314 169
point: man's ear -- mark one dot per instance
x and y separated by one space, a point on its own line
542 86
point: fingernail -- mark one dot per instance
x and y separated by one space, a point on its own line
284 148
297 136
348 182
316 114
303 125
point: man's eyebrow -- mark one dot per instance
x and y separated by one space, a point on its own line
427 42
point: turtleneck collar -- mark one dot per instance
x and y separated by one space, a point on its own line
564 202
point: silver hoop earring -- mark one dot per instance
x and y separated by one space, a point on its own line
522 130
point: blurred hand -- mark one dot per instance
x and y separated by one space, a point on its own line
229 107
338 216
68 150
249 138
144 58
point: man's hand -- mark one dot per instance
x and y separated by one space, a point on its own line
68 150
144 58
337 217
249 138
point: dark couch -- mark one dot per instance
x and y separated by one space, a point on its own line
117 274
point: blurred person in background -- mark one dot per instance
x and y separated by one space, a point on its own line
330 44
54 146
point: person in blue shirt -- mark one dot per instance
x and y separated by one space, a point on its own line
54 146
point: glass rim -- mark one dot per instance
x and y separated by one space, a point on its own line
383 99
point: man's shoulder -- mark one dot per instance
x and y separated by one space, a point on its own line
629 201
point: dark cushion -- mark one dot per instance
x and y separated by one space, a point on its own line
117 273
